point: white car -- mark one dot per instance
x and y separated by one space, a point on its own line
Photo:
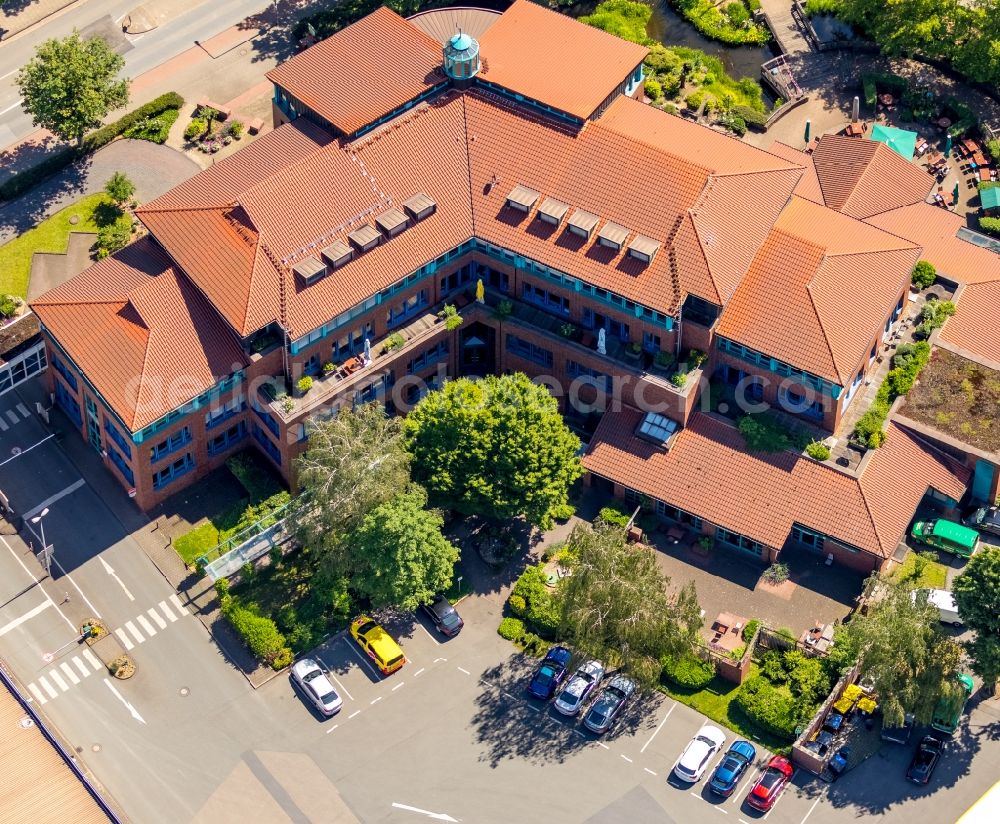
699 753
312 679
573 696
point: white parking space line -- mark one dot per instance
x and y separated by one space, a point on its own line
335 678
177 603
332 728
375 700
124 639
460 669
134 630
26 617
601 743
364 660
626 758
166 610
148 627
3 425
93 660
696 795
813 807
398 686
349 717
24 411
435 640
647 769
418 672
13 417
47 686
720 809
664 721
152 613
55 676
72 676
81 666
37 693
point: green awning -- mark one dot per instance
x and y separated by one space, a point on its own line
900 141
990 198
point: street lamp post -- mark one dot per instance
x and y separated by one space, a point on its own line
46 553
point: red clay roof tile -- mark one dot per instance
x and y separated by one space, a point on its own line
972 330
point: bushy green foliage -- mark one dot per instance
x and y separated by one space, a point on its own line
990 225
688 671
768 707
304 384
517 605
256 477
754 118
749 629
511 629
113 236
763 434
260 634
614 515
654 91
924 274
694 100
541 611
933 315
196 128
732 121
8 306
718 25
908 362
154 129
622 18
993 147
817 7
818 450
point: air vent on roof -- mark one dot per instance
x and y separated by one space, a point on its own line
337 254
643 248
656 428
612 235
392 222
419 206
310 269
582 223
365 237
552 210
522 198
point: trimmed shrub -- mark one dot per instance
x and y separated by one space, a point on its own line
749 629
563 512
260 634
196 128
736 124
753 118
517 605
541 613
688 671
772 666
818 450
767 707
654 91
924 274
613 516
113 237
990 224
694 100
155 129
304 384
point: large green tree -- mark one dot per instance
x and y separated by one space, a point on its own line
977 593
902 649
70 85
355 461
495 447
400 557
616 605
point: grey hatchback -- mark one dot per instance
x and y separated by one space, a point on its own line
609 704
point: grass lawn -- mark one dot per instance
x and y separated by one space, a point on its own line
717 702
933 576
50 235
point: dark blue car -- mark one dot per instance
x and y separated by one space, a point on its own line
732 768
550 673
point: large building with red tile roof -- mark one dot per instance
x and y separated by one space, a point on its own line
613 241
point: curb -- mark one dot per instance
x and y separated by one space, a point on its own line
31 26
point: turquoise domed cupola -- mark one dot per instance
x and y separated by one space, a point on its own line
461 57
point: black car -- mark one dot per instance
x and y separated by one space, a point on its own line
443 614
985 519
924 760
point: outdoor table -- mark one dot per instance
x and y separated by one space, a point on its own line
984 174
970 145
855 130
944 122
979 159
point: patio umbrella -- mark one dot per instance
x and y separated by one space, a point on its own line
855 109
947 147
808 130
954 194
480 291
368 351
901 141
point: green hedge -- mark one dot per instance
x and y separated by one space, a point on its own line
749 629
768 707
613 516
22 181
260 634
753 118
512 629
541 613
908 362
688 671
990 224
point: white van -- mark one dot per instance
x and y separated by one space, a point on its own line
947 608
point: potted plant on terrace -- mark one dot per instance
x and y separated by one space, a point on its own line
633 351
662 362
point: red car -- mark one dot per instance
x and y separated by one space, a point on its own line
772 781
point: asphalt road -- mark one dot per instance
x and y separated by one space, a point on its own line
203 19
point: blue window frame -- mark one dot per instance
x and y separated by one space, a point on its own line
737 541
171 444
407 309
545 299
224 440
172 471
350 343
457 279
68 404
529 351
266 444
429 357
61 368
578 370
118 438
677 514
268 419
119 462
808 538
223 413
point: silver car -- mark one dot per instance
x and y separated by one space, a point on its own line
608 704
312 679
573 696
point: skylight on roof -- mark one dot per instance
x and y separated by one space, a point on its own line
522 198
656 428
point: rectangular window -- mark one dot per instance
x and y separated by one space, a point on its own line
679 515
435 354
224 440
60 367
407 309
734 539
223 413
650 342
268 419
267 444
456 280
602 381
172 471
529 351
171 444
119 462
118 438
68 404
549 301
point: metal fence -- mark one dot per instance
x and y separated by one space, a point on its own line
254 547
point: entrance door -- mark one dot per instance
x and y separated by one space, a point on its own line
477 355
982 483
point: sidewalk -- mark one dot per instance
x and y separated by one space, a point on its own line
18 15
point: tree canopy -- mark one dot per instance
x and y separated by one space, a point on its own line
495 447
119 188
70 85
616 605
902 649
400 557
977 594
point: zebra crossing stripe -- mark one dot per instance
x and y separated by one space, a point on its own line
13 417
81 666
177 603
3 425
152 613
55 676
124 639
134 630
166 610
47 686
144 623
72 676
93 660
23 410
37 693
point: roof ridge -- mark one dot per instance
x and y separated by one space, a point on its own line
170 209
690 214
819 319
